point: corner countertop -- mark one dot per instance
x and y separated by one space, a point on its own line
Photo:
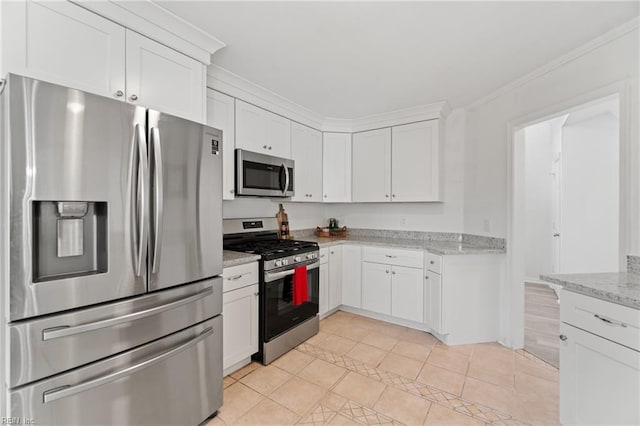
432 246
621 288
234 258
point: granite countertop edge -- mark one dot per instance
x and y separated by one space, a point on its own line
235 258
435 247
606 289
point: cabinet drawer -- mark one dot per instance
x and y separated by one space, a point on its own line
433 262
324 255
410 258
235 277
617 323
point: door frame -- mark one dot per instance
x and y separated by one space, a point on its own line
513 287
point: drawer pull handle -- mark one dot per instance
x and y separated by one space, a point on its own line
236 277
563 337
609 322
390 257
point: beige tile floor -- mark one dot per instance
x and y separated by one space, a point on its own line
358 370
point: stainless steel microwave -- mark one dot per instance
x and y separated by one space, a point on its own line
261 175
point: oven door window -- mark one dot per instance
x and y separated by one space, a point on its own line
280 314
265 176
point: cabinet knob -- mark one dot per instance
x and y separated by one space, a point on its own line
119 94
563 337
386 195
427 277
264 146
269 147
256 294
325 195
231 191
133 97
394 195
393 272
387 271
431 262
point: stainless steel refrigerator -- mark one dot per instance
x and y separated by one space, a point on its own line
111 233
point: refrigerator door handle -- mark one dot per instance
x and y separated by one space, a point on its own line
158 198
141 200
65 391
65 331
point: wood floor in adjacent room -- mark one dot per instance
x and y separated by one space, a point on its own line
542 322
357 370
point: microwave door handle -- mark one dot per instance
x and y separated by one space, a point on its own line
158 198
286 179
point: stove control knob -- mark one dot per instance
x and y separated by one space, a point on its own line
297 258
285 261
310 256
278 263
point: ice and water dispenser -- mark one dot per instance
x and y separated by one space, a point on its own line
69 239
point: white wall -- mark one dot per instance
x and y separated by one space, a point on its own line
301 215
487 132
538 181
442 217
590 196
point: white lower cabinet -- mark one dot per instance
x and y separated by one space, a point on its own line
433 301
599 377
323 303
352 276
376 287
335 276
240 315
407 294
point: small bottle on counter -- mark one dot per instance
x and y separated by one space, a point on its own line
283 222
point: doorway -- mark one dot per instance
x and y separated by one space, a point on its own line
571 210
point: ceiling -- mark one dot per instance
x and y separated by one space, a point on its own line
354 59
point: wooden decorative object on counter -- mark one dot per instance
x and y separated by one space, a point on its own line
283 224
326 232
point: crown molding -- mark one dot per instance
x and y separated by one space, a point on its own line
589 46
227 82
159 24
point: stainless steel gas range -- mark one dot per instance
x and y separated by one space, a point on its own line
283 323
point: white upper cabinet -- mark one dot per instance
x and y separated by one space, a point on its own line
306 151
336 167
64 44
161 78
415 164
371 175
221 115
261 131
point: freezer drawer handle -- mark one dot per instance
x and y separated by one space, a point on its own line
64 331
63 392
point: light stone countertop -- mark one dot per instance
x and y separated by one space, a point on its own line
234 258
622 288
435 247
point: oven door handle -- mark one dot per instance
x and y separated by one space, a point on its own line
273 276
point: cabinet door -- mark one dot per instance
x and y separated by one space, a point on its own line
376 287
161 78
407 293
323 307
599 380
372 165
221 115
433 301
278 135
352 276
336 167
251 127
415 166
240 325
306 151
64 44
335 277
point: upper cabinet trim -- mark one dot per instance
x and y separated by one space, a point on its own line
157 23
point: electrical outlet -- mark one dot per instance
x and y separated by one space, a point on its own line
403 220
487 225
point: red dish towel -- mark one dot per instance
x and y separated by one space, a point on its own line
300 292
